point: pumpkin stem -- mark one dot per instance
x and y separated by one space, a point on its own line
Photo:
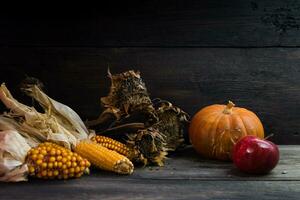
228 108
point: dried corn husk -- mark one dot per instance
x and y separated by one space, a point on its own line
61 127
10 124
13 150
66 116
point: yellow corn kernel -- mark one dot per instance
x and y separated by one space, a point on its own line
104 158
59 164
77 169
58 152
40 156
52 159
50 165
69 164
49 173
34 157
39 162
44 165
45 161
55 173
64 160
31 169
72 170
53 152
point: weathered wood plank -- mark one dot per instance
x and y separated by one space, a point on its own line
265 80
156 23
95 188
185 176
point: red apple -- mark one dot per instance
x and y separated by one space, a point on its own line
254 155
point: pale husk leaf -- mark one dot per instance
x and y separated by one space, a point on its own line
10 124
63 113
13 151
43 126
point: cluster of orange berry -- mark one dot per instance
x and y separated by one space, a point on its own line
51 161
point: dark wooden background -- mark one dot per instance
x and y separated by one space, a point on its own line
193 53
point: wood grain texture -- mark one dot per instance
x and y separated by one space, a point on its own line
185 176
265 80
215 23
95 188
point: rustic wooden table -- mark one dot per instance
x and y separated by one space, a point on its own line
185 176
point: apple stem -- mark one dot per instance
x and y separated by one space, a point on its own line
228 108
266 138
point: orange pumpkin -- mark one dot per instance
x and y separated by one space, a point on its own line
215 129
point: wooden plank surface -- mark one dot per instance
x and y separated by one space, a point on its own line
185 176
265 80
215 23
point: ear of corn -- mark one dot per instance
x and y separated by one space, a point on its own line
51 161
104 158
112 144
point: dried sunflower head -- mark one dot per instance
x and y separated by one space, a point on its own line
172 124
129 96
149 146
